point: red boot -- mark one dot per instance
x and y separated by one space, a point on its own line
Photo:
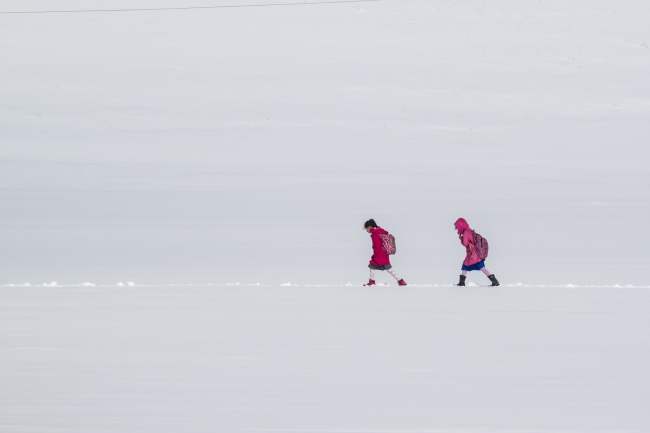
371 283
401 282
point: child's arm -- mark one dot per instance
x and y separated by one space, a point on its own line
465 240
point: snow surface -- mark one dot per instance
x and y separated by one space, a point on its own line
324 359
246 146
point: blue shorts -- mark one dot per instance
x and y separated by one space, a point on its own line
475 267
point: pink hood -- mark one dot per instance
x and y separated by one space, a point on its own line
461 225
467 240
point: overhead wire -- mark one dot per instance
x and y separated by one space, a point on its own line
185 7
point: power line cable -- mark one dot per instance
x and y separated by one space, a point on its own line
188 7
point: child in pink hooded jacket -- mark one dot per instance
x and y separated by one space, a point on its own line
380 260
472 260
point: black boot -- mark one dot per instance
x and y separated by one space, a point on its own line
493 279
462 280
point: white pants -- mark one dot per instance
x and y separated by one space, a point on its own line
390 271
484 270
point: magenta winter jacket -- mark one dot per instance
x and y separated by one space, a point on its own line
379 256
467 239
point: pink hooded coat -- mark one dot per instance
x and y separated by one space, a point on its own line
379 256
467 239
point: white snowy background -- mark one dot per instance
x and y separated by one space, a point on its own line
246 145
250 144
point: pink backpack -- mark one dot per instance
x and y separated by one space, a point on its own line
388 243
480 245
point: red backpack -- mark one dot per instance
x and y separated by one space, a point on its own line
388 243
480 245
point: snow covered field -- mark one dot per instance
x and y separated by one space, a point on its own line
249 144
324 359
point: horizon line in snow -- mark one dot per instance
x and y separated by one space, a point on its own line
349 284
